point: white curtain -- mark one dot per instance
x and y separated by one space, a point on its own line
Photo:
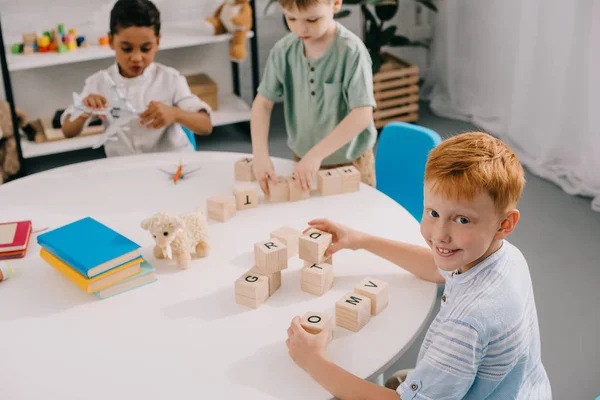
527 71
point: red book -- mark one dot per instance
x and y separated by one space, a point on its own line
14 238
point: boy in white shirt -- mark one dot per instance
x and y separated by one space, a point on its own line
159 90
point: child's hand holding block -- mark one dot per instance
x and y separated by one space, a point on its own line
251 290
270 256
316 279
313 245
353 311
274 279
375 290
315 323
245 196
243 170
329 182
221 207
281 192
350 179
290 237
296 192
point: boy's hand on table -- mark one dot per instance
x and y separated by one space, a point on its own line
264 171
305 172
342 236
306 348
158 115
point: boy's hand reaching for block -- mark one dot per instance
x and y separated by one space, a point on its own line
306 169
343 237
158 115
264 171
96 102
306 348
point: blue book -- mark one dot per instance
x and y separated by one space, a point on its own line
144 277
89 247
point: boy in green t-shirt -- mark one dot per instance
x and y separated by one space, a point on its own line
323 72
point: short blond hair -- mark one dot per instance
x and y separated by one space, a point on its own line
471 162
300 4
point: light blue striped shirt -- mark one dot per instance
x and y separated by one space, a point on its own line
485 341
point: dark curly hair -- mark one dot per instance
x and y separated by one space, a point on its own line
126 13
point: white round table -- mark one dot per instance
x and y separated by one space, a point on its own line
184 337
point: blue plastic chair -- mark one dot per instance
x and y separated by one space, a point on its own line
400 161
191 136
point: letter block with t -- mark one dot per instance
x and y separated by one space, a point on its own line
270 256
316 278
243 169
251 290
245 196
313 245
315 323
221 207
353 311
329 182
290 237
375 290
350 178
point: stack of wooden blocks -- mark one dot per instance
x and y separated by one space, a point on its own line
354 310
317 275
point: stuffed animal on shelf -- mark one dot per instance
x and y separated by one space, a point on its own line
178 236
10 165
235 17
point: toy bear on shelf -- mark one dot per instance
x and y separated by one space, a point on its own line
235 17
178 235
9 158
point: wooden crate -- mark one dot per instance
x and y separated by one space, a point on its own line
396 91
46 133
204 87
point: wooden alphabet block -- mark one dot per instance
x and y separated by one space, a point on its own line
270 256
313 244
375 290
245 196
353 311
279 193
296 192
221 207
315 323
329 182
251 290
317 278
243 170
290 237
326 261
350 178
274 279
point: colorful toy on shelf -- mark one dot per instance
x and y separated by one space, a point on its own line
118 114
103 41
50 41
235 17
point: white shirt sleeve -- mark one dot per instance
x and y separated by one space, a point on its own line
186 100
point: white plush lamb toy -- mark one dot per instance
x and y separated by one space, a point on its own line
178 235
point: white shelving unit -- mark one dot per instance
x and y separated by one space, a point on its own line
232 109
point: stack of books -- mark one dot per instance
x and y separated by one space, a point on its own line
96 258
14 239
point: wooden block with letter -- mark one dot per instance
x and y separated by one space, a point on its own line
316 278
315 323
251 290
243 170
350 178
274 279
326 261
290 237
353 311
296 192
246 196
313 244
375 290
329 182
280 192
221 207
270 256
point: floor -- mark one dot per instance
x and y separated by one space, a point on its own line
558 233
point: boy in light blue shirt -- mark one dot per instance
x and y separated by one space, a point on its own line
485 341
324 74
